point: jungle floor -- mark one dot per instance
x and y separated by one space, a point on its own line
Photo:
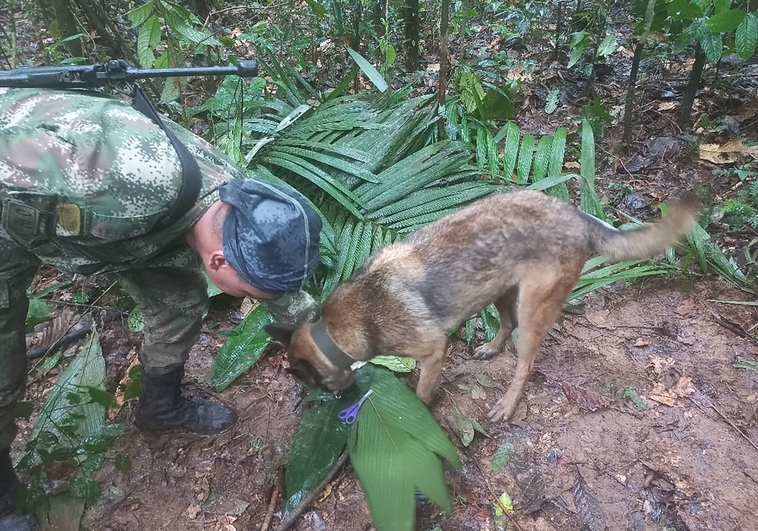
635 416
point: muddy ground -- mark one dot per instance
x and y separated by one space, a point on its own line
585 455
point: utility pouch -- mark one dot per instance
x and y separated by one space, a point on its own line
28 218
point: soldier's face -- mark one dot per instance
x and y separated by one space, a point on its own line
228 281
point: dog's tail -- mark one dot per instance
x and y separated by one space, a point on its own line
645 242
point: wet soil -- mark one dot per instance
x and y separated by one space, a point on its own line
634 418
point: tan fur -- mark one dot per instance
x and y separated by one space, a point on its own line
523 251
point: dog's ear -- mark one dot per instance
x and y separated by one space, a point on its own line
281 332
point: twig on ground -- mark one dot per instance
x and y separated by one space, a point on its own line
494 495
725 419
276 489
292 517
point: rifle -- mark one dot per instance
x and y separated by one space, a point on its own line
114 71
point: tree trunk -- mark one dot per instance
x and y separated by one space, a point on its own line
377 16
67 26
104 26
630 90
558 31
685 116
410 17
442 89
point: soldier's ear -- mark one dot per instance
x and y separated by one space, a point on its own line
280 332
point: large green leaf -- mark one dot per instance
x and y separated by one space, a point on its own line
395 449
319 441
372 73
511 150
148 39
746 37
241 350
525 159
589 200
69 414
725 21
140 14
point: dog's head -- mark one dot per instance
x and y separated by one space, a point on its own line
307 362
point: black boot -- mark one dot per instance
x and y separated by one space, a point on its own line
162 408
8 488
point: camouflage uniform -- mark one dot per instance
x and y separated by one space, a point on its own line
85 181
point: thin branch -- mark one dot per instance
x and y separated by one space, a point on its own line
289 520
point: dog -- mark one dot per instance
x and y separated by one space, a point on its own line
523 251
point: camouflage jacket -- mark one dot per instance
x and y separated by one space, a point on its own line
101 174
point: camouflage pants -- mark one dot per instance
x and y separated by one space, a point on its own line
172 300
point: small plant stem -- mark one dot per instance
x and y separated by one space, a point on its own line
685 112
442 89
289 520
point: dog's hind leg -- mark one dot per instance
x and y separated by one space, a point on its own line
507 308
542 297
431 362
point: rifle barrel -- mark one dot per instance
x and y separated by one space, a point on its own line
242 68
67 76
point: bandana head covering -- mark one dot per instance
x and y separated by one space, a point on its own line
270 235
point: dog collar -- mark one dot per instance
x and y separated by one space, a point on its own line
326 345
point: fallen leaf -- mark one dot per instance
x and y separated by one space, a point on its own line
504 505
502 457
192 511
485 380
528 475
587 507
727 153
683 387
662 396
582 398
478 392
123 384
747 110
660 365
667 105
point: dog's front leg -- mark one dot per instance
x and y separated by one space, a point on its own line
431 362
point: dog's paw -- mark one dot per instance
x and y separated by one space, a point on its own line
485 352
503 410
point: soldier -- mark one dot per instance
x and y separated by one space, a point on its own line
90 185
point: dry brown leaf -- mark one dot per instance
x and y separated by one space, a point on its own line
661 365
125 381
325 493
683 387
572 165
583 398
661 395
192 511
667 106
747 110
727 153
